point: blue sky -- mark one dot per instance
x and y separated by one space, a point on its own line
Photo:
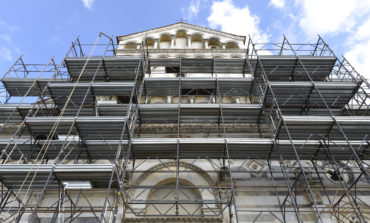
39 29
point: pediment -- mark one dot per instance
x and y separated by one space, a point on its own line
173 29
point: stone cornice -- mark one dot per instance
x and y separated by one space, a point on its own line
129 51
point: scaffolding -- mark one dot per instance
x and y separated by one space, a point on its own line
306 117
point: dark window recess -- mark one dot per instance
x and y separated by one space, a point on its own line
107 78
224 174
172 69
334 176
196 91
125 99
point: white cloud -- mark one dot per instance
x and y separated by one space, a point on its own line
359 57
359 52
347 20
230 18
6 42
6 37
362 32
6 30
88 3
7 27
6 53
277 3
193 9
330 16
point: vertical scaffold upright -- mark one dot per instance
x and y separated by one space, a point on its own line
116 133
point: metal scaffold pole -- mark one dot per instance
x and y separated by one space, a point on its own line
129 127
333 163
233 194
185 127
281 123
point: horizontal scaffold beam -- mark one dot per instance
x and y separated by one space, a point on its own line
86 127
191 148
17 175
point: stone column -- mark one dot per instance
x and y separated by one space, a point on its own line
156 44
172 41
191 101
189 41
205 43
169 99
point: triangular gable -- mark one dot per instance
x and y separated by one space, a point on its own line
189 28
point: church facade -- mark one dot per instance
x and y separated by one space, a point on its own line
183 123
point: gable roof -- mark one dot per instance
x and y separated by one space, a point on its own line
179 25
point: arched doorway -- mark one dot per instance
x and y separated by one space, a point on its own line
154 195
190 199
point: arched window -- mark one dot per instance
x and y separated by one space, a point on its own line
231 45
149 42
165 41
181 39
214 43
163 190
166 191
197 41
131 45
